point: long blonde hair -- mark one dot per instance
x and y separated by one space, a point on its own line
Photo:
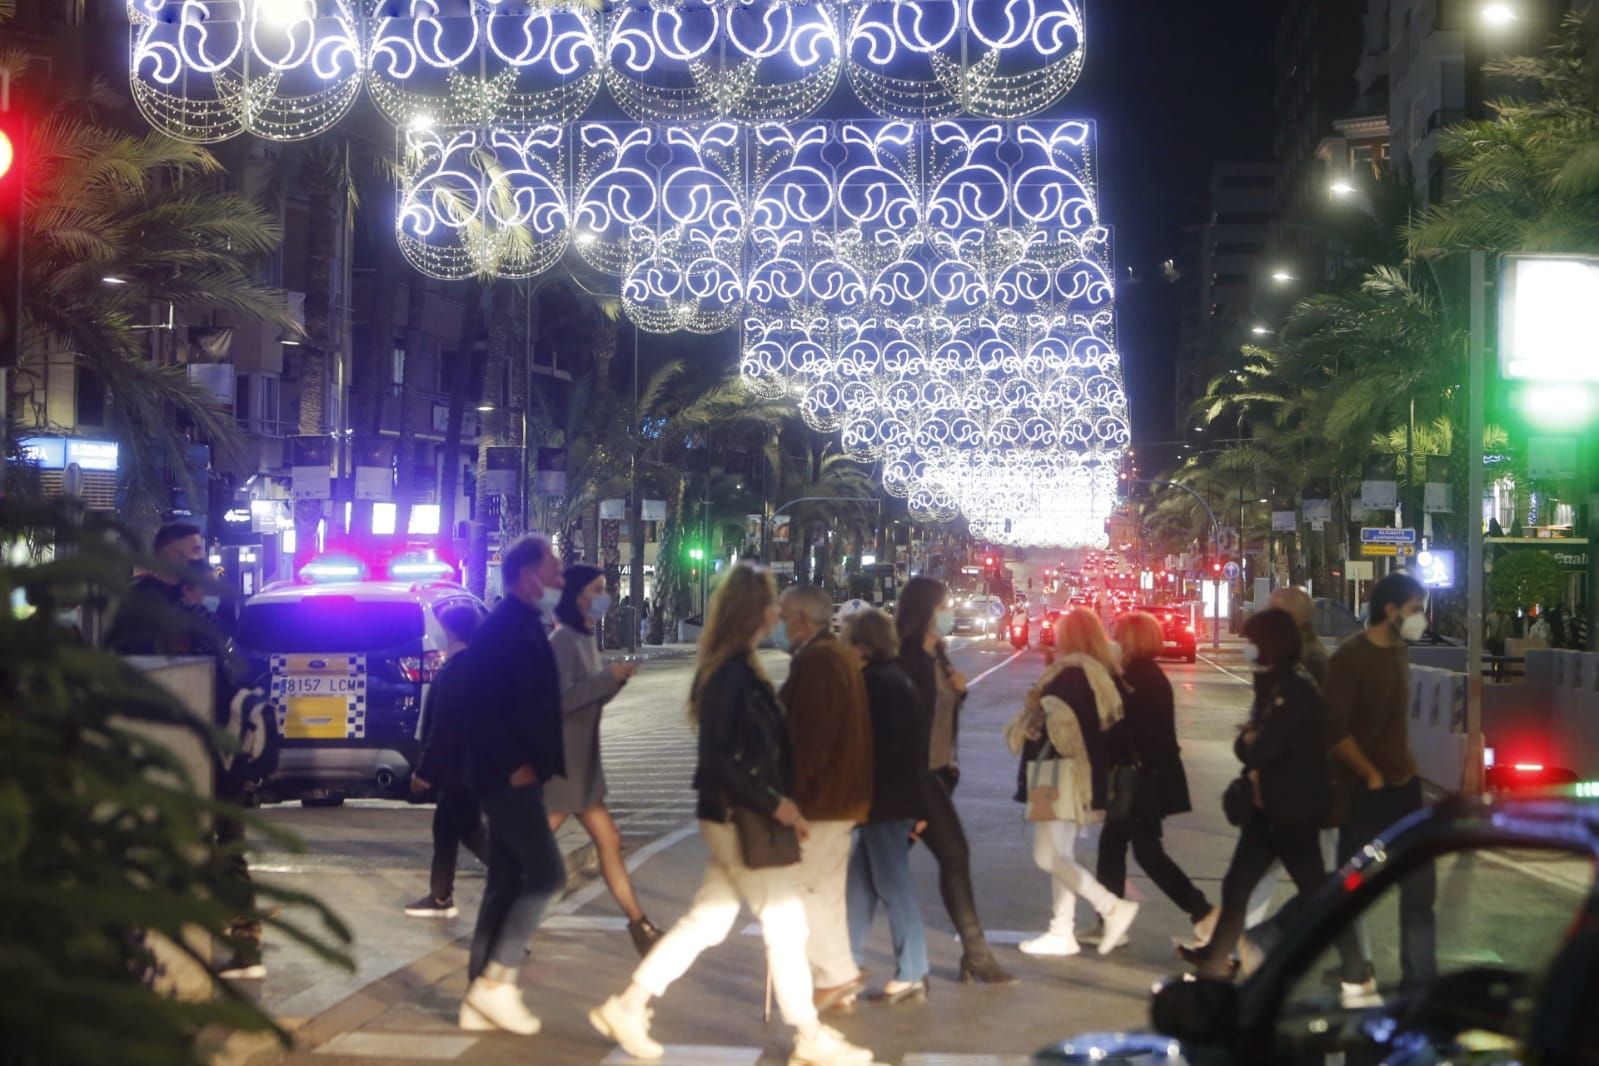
1080 632
737 614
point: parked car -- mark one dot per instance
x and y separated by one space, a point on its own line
346 665
1517 955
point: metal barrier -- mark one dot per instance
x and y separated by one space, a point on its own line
1438 725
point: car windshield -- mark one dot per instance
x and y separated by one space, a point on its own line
329 624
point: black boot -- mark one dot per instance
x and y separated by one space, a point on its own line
645 934
979 966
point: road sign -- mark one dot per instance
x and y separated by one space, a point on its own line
1231 571
1379 535
1394 550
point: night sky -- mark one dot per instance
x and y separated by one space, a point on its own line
1174 86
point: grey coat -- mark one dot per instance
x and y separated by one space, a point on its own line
586 687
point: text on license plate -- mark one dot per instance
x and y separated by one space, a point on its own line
318 686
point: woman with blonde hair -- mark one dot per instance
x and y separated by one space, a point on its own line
1145 743
745 763
1060 736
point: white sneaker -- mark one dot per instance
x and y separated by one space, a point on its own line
1118 920
630 1031
493 1005
1057 945
1360 995
1096 935
825 1046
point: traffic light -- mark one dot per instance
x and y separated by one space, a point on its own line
13 159
1215 567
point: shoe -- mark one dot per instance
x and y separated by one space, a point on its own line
902 992
1199 959
1205 928
839 999
630 1031
1118 920
499 1006
1096 935
428 907
984 969
1358 995
242 966
645 933
825 1046
1057 945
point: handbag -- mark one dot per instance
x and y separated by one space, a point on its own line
763 841
1238 801
1132 795
1051 800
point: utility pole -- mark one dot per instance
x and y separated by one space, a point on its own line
1472 782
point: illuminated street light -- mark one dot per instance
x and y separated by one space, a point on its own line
1342 187
1259 330
1282 277
1499 14
112 280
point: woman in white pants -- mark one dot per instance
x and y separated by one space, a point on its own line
745 761
1059 735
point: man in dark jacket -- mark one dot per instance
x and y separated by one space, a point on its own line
513 745
457 818
825 698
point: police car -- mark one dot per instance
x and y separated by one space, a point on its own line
346 662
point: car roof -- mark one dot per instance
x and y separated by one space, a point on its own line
426 592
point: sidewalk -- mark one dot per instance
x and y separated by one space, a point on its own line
314 1000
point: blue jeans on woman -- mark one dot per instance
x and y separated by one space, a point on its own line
880 872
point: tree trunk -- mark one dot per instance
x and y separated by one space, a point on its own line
373 373
671 578
320 177
416 294
495 431
466 382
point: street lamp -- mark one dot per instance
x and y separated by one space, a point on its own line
1259 330
1499 14
1342 187
1282 277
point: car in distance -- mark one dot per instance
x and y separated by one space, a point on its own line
1513 978
1178 638
346 666
982 616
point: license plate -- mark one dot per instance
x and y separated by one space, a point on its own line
320 697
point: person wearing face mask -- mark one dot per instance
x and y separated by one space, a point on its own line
514 747
1284 752
924 618
1368 690
587 685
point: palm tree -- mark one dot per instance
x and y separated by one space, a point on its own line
148 213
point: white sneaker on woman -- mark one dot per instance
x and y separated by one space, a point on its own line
1057 945
630 1030
1118 920
825 1046
498 1006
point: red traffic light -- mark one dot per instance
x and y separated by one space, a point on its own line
8 153
1215 568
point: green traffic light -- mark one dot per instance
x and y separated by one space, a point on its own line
1564 405
696 554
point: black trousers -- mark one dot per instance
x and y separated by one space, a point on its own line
457 820
245 929
1259 845
526 871
1371 814
945 837
1145 840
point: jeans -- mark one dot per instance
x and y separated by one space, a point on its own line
946 839
1370 815
822 879
1144 837
771 894
457 820
1259 845
526 871
1054 852
880 872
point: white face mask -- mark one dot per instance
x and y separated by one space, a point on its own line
1413 628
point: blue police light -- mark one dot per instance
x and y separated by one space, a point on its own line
332 569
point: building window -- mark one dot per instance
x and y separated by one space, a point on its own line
90 398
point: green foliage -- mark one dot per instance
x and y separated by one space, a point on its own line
1523 578
104 845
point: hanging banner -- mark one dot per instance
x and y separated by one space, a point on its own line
654 511
780 529
613 510
1437 499
1552 458
1379 495
502 475
374 468
311 466
551 479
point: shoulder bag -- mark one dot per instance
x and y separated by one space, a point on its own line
1052 792
1132 792
763 841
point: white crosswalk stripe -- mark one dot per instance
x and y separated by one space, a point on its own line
650 776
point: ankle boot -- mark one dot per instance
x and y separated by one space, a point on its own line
979 966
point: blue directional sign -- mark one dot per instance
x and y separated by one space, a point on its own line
1231 572
1375 535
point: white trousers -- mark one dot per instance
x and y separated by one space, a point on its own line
771 894
823 877
1054 852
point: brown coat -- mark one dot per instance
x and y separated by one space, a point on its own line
831 723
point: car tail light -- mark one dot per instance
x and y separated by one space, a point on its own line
419 670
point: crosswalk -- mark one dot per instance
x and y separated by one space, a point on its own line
650 775
395 1047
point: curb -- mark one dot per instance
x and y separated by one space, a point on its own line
367 1002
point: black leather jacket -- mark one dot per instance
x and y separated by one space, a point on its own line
745 757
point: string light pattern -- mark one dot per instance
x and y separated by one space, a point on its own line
206 70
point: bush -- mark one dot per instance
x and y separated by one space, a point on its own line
102 842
